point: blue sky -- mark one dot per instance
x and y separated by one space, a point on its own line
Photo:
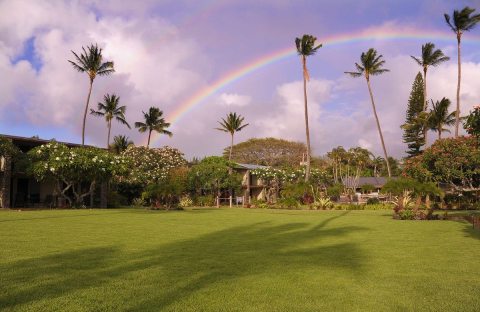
164 51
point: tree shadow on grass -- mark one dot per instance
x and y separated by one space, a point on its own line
180 269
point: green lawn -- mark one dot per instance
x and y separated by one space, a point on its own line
235 260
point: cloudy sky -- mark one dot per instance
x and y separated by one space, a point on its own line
167 51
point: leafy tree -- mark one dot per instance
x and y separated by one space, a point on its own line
232 124
413 133
151 165
168 192
371 64
472 123
73 168
452 161
154 121
268 152
110 109
91 62
212 175
440 117
120 144
305 48
460 22
7 148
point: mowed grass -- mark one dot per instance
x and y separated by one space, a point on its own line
235 260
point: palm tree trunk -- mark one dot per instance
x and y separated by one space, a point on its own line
379 129
307 131
425 105
85 113
439 134
457 112
231 148
149 135
108 137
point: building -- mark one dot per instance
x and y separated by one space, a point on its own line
19 190
252 186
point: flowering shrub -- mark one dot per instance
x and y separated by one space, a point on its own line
151 165
73 167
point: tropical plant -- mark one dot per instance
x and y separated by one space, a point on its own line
472 123
371 65
120 144
440 117
305 48
91 62
154 121
110 109
430 57
460 22
413 134
232 124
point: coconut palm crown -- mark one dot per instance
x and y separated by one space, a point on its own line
233 123
440 117
120 143
371 64
110 109
460 22
91 62
306 47
153 121
430 57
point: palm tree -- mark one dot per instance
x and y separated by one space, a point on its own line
461 22
120 143
430 57
91 62
110 109
306 47
232 124
154 121
371 64
439 117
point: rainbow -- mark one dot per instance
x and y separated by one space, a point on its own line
372 35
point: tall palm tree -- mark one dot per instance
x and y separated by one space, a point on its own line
154 121
460 22
110 109
120 143
232 124
91 62
439 117
371 65
305 48
430 57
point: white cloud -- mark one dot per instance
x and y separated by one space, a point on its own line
233 99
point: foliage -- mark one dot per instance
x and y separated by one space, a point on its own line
166 194
110 109
138 202
335 191
185 201
412 131
373 201
268 152
472 123
453 161
7 148
368 188
322 203
151 165
120 144
204 201
398 186
74 167
211 175
288 203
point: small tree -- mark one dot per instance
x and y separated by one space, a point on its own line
472 123
76 169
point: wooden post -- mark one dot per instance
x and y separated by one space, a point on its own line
231 201
5 183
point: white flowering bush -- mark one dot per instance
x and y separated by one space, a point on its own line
73 168
151 165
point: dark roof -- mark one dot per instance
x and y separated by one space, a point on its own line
249 166
375 181
32 142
